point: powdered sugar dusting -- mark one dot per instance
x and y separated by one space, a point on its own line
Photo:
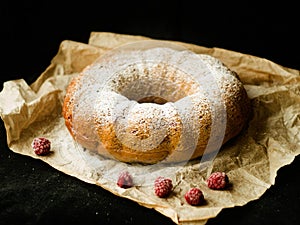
192 86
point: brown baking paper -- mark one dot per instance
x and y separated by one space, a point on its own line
251 160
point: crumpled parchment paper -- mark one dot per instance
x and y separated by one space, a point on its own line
251 160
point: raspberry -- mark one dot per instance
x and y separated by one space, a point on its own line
41 146
162 187
194 196
217 180
125 180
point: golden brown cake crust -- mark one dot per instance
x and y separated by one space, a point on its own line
98 133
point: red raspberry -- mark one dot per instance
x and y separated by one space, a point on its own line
162 187
125 180
217 180
41 146
194 196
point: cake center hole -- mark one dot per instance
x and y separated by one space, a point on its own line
153 99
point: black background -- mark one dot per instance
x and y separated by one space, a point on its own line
32 192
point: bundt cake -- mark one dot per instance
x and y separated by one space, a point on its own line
155 104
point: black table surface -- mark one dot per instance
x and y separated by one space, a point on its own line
32 192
